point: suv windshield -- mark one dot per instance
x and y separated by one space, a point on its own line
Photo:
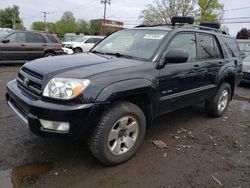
133 43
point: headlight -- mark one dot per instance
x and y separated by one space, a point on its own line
65 88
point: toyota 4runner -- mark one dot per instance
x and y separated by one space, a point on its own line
112 94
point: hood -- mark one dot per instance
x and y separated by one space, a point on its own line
79 66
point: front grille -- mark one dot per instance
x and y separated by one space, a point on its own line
30 82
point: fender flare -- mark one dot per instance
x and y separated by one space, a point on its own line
126 88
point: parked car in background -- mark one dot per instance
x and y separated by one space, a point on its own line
84 44
244 45
246 69
70 37
21 46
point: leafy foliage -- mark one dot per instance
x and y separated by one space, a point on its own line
244 33
163 10
210 11
9 18
68 24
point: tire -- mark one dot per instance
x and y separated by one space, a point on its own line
102 143
49 54
214 106
77 50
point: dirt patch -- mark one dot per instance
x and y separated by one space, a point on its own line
26 175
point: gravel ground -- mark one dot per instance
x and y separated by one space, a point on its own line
201 152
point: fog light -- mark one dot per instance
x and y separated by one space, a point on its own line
62 127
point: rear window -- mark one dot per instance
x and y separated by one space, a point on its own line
52 38
232 46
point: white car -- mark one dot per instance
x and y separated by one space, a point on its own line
83 44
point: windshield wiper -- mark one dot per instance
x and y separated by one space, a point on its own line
97 52
120 55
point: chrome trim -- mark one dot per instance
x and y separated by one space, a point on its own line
25 120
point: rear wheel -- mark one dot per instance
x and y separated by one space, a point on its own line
217 106
77 50
119 134
49 54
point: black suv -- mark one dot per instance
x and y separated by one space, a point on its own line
21 46
112 94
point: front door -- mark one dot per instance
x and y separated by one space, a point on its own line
180 84
15 49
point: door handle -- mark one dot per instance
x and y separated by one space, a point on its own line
44 45
23 45
220 63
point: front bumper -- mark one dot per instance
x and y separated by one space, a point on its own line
31 110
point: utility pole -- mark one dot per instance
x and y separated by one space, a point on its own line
45 19
105 2
13 20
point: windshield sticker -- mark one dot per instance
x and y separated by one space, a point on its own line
154 37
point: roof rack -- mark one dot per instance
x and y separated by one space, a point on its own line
204 28
186 22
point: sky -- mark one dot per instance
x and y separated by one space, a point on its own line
127 11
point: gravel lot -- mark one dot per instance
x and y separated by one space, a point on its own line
201 152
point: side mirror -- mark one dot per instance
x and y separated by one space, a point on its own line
5 41
176 55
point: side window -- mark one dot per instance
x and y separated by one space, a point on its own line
16 38
90 40
96 40
185 41
208 47
34 38
232 46
52 38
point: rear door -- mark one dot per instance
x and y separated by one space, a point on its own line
210 61
15 49
35 45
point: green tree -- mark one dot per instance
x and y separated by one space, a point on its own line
82 26
210 11
161 11
39 26
10 18
67 24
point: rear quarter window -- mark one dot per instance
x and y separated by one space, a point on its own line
232 46
52 38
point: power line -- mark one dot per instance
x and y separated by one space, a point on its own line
235 9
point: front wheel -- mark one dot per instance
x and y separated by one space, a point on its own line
119 134
77 50
217 106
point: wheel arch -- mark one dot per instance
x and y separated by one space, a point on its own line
229 77
140 92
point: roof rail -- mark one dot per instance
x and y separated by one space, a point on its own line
205 28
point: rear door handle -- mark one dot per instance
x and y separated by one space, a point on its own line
44 45
23 45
